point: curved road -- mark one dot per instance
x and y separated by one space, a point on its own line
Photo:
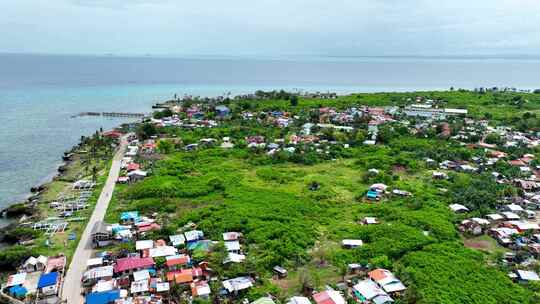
72 289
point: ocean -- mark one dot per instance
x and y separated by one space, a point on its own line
40 93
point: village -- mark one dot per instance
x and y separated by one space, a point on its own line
137 260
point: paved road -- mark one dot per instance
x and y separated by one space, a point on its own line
72 282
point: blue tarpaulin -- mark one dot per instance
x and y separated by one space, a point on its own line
103 297
48 279
129 216
18 291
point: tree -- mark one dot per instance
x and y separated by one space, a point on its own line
165 146
146 131
294 100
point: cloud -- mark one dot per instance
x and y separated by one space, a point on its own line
271 27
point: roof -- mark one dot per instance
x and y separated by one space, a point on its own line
263 300
298 300
180 276
56 263
458 207
231 236
368 289
16 279
48 279
94 261
141 275
387 280
328 297
179 259
162 251
232 245
177 239
144 244
349 242
103 297
237 284
139 286
200 288
129 215
162 286
130 263
528 275
193 235
98 273
234 257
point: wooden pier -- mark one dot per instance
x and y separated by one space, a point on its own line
111 114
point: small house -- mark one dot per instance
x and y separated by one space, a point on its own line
350 244
280 272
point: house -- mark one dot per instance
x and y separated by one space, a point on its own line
328 297
350 244
369 220
263 300
298 300
103 297
231 236
130 264
162 251
144 245
234 258
194 235
386 280
138 287
503 235
373 195
232 246
200 289
181 276
439 175
136 175
177 240
175 261
367 290
35 264
130 217
48 283
458 208
93 275
511 216
237 284
526 276
222 111
101 235
280 272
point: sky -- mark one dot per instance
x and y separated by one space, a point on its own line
271 27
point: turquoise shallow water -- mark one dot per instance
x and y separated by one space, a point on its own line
39 94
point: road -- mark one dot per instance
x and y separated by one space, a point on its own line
72 289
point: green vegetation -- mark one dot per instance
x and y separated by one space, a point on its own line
286 221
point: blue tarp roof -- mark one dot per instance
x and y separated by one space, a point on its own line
103 297
18 291
129 215
48 279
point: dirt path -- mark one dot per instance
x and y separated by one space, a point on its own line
72 289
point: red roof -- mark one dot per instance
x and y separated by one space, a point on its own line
180 260
323 298
131 263
113 134
517 162
148 227
180 276
133 167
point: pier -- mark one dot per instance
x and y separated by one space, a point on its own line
111 114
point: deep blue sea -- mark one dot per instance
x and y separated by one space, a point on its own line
40 93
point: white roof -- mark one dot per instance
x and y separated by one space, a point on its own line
349 242
480 221
335 296
231 236
141 275
234 257
103 286
162 286
137 172
237 284
139 286
16 279
528 275
458 207
510 215
99 272
177 239
368 289
162 251
299 300
370 220
144 244
94 262
523 225
514 207
203 289
494 216
232 245
193 235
